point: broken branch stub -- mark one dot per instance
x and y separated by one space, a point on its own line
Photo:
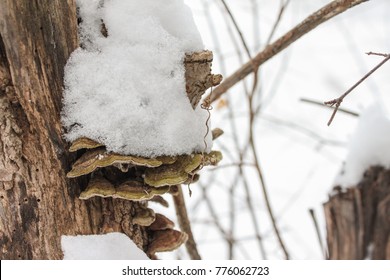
198 75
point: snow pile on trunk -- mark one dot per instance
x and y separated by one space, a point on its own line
369 145
111 246
127 90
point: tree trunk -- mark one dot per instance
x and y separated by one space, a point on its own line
358 219
38 204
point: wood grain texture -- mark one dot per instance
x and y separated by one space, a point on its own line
358 219
198 75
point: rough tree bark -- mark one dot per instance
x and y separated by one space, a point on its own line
37 203
358 219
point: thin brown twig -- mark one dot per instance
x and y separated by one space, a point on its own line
283 5
234 41
298 128
319 103
337 102
184 223
236 142
250 96
237 164
378 54
213 214
264 189
254 67
255 153
230 235
327 12
318 232
237 28
282 67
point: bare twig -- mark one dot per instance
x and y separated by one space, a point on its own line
235 43
337 102
237 164
264 189
379 54
327 12
251 141
233 187
319 103
184 223
302 129
313 217
242 153
283 5
229 235
237 28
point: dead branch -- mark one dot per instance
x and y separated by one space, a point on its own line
184 223
250 97
327 12
318 232
337 102
237 28
319 103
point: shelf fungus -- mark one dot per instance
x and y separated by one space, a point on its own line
129 190
181 171
91 160
84 143
160 200
144 217
166 240
161 223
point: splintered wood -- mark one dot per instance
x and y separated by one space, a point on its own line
358 218
198 75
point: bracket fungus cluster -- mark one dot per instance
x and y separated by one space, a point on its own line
142 179
133 177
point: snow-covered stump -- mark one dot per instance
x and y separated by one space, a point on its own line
358 218
132 108
358 210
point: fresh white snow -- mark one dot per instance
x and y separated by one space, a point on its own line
369 145
111 246
128 90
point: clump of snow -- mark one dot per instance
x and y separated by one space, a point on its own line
369 145
127 91
111 246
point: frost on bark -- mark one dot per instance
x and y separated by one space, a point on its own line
358 219
38 204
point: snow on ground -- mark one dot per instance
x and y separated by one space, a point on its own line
369 145
128 90
111 246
